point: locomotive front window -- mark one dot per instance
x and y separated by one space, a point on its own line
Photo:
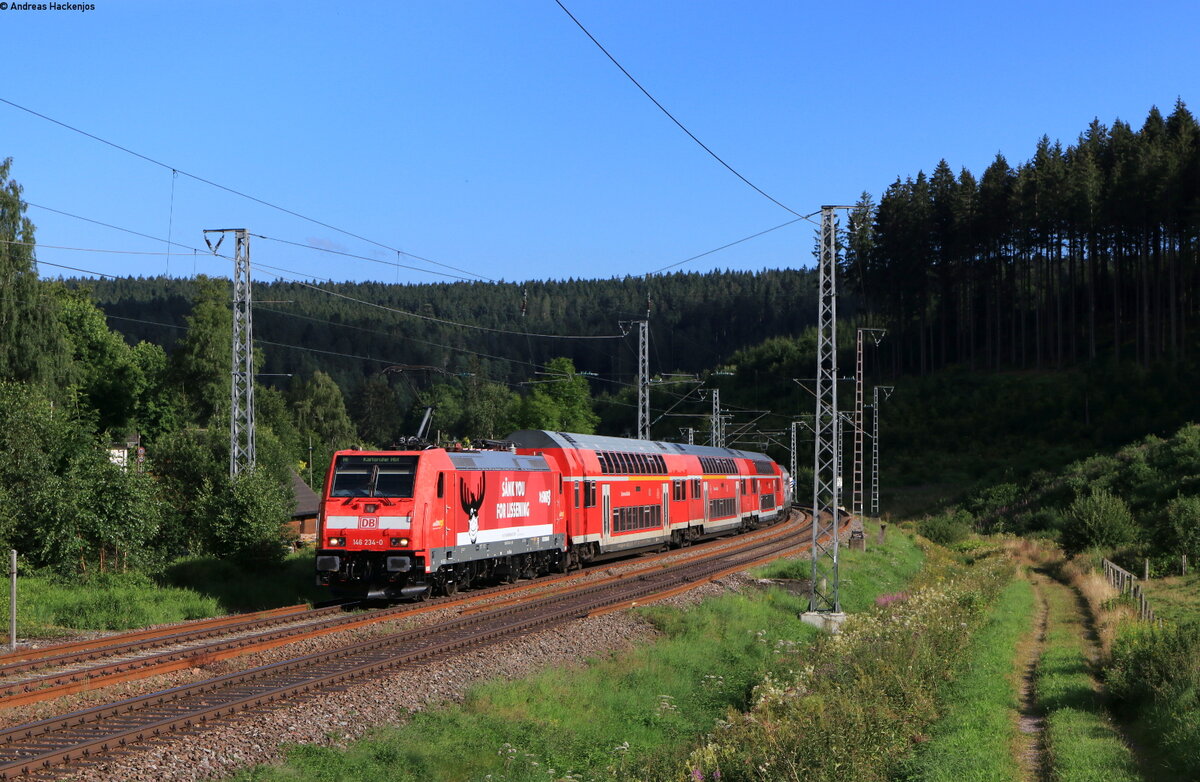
351 483
393 481
374 476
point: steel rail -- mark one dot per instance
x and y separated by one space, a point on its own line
315 623
29 658
33 747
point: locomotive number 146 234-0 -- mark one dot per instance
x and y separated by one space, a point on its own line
366 541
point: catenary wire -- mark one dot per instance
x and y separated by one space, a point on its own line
276 269
238 193
671 116
364 258
428 317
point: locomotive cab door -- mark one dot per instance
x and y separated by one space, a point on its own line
443 510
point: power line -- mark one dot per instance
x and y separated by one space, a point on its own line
113 227
283 270
429 317
86 249
74 269
663 109
731 244
410 338
259 236
372 260
232 191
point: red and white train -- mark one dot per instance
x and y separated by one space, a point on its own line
406 524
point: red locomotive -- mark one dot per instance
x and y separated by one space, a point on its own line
405 524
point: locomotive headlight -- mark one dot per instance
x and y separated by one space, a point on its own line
337 542
399 542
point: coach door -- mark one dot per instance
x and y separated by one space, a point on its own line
606 509
706 506
666 506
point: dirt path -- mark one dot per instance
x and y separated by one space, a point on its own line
1031 720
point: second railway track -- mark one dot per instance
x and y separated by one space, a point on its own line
43 745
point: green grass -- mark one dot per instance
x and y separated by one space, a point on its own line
195 588
1081 743
644 705
634 714
48 608
864 575
974 739
1177 598
236 589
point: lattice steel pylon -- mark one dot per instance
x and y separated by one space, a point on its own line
826 483
643 380
856 490
793 451
241 392
887 392
716 425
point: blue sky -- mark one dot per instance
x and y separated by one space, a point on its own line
494 137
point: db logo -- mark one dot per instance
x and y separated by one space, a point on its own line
368 522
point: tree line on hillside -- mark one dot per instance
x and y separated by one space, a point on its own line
353 331
1081 252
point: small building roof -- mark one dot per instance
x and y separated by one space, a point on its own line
307 501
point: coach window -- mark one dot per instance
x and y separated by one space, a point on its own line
576 494
589 494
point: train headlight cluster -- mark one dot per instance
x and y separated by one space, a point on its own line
399 542
337 542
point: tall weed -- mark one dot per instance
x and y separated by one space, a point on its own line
873 686
1153 676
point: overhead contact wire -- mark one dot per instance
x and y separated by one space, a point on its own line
671 116
238 193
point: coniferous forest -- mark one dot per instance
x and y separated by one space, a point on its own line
1081 252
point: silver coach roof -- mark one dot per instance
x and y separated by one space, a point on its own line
540 438
496 460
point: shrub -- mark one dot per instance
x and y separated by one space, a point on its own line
1098 520
1154 676
947 528
1183 517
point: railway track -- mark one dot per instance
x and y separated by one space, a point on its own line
43 745
200 643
